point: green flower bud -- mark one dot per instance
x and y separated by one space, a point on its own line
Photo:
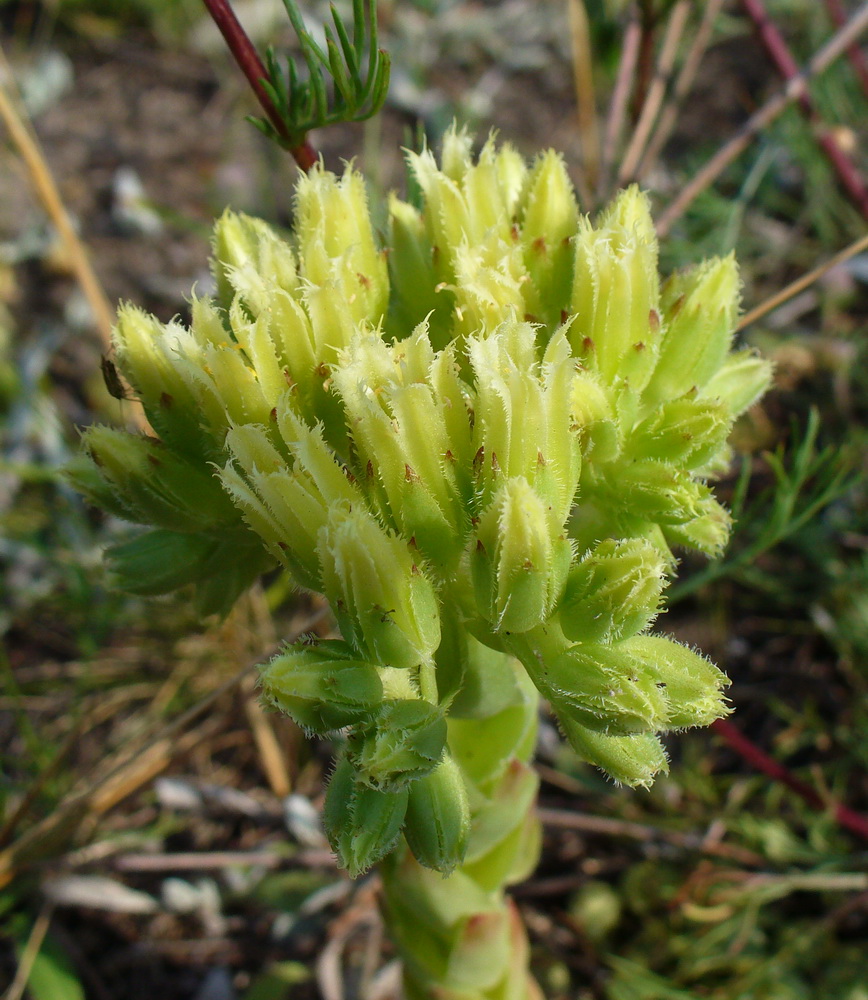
401 438
604 687
632 760
549 221
708 531
599 428
415 291
347 276
687 432
155 486
384 604
362 824
322 687
402 743
438 818
613 592
615 298
161 363
693 685
699 308
519 559
523 424
656 491
488 287
739 382
252 262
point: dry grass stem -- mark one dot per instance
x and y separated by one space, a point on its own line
800 284
123 776
48 194
683 84
583 77
30 954
762 118
656 91
569 820
618 106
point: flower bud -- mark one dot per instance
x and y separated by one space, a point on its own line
345 270
708 531
739 382
692 684
251 262
414 286
655 491
519 560
549 221
362 824
154 485
160 362
384 604
438 818
632 760
687 432
613 592
322 687
699 308
604 687
615 295
402 743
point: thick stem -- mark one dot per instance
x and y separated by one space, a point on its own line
461 936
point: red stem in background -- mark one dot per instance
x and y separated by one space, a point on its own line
838 14
244 53
761 761
779 53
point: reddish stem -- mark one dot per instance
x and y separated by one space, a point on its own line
774 44
838 14
244 53
761 761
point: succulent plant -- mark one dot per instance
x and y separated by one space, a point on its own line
483 443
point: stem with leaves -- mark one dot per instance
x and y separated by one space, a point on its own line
245 54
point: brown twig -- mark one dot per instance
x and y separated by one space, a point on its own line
568 819
46 189
761 761
648 20
583 78
800 284
763 117
122 776
778 51
245 55
30 954
656 91
857 58
618 106
683 84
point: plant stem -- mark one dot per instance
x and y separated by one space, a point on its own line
618 107
800 284
857 59
778 51
245 55
583 78
761 118
656 91
669 114
761 761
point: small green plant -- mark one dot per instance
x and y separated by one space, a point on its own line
481 443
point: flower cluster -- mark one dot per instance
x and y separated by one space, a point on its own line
489 436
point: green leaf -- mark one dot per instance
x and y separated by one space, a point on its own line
52 976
